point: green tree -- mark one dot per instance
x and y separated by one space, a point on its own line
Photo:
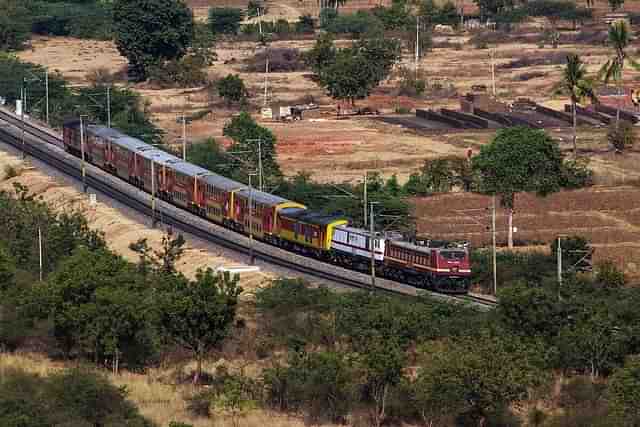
225 20
322 54
15 24
481 374
622 135
490 8
356 71
615 4
251 141
146 37
619 39
163 260
232 89
579 87
198 315
517 160
623 393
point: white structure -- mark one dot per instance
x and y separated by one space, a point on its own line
357 242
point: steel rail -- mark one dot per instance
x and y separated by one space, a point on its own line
141 207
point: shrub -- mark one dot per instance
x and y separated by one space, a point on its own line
100 76
92 20
327 16
10 172
622 135
609 276
577 174
15 22
410 84
555 58
356 24
281 60
187 71
305 25
232 89
523 77
256 8
225 20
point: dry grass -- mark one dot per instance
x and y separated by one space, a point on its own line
157 400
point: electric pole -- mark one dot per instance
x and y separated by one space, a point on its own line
559 256
22 107
153 194
251 256
493 233
373 257
184 137
492 55
364 205
417 44
260 175
46 93
84 169
40 249
266 73
108 106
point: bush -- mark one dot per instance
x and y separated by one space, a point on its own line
621 135
15 25
87 21
410 84
577 174
356 24
327 16
232 89
225 20
305 25
256 8
187 71
555 58
609 276
281 60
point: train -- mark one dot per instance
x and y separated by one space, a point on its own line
272 219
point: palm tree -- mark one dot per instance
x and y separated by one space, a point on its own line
579 87
613 68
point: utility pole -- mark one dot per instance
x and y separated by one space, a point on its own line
373 253
46 93
22 106
40 249
417 43
251 256
184 137
493 233
559 256
266 73
108 106
153 194
260 175
84 169
492 55
364 205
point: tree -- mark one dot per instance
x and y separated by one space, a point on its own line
623 393
146 37
578 86
619 38
480 374
305 24
15 24
517 160
615 4
322 54
163 260
622 135
198 315
232 89
249 139
490 8
356 71
225 20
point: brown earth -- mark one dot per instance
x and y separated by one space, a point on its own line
608 216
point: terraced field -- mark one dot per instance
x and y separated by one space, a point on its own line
608 216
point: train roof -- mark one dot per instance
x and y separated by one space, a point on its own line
360 231
310 217
105 132
189 169
262 197
418 248
221 182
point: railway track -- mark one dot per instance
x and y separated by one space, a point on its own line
54 155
